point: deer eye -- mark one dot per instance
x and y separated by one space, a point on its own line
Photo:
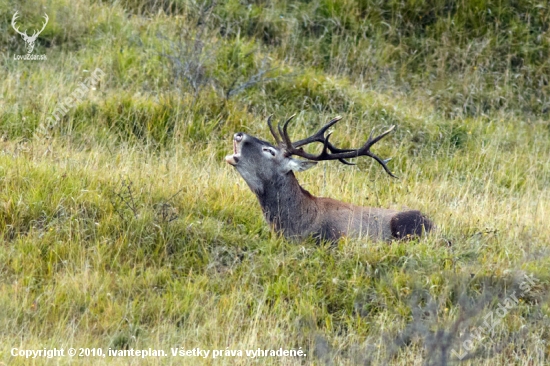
269 150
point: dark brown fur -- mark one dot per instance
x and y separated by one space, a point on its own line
408 224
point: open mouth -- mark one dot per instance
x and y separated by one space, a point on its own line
233 159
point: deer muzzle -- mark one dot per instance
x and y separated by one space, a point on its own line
234 159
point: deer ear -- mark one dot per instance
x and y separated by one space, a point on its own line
299 165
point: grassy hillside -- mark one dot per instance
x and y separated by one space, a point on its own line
122 227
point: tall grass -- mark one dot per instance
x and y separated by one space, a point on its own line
123 227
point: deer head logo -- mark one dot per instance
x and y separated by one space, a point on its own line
28 39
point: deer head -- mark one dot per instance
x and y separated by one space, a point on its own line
259 162
29 40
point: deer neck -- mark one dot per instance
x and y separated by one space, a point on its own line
287 206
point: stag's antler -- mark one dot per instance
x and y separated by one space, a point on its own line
35 34
335 153
13 19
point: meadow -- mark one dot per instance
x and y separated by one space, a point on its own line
122 227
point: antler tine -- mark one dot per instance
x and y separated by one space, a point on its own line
287 144
325 153
273 132
372 141
383 163
365 150
13 19
36 33
46 18
284 131
44 25
319 136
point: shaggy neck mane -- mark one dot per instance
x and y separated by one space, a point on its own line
286 205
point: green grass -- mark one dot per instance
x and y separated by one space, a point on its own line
123 227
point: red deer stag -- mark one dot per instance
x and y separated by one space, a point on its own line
293 211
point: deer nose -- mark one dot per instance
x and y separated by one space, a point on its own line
238 136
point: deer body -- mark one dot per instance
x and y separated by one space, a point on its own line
297 214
